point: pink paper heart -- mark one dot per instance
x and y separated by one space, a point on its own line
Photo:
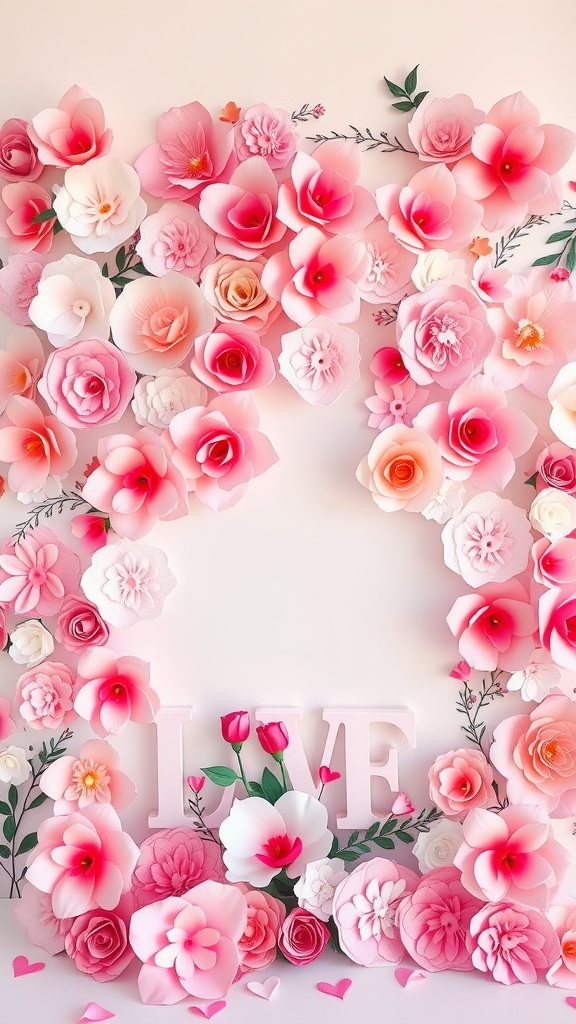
339 989
210 1010
264 989
95 1012
404 975
326 775
22 966
571 1000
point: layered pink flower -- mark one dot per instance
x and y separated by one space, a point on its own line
323 190
442 129
175 239
321 360
136 483
387 364
395 403
495 627
562 398
511 169
87 384
556 467
91 778
218 449
113 691
512 943
235 290
257 945
83 860
491 283
460 780
37 446
98 944
129 582
91 530
37 572
365 909
18 156
428 212
45 696
71 133
555 562
302 937
434 922
232 358
20 204
268 132
562 915
7 725
244 213
403 469
172 861
512 856
488 541
34 913
557 617
19 284
80 625
21 364
388 276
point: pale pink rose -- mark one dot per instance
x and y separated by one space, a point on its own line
302 937
80 625
7 725
91 530
512 856
37 572
87 384
21 364
113 691
555 562
92 777
460 780
268 132
434 922
100 204
34 913
557 616
74 301
556 467
403 469
443 335
155 321
488 541
321 360
442 129
232 358
491 283
257 945
218 449
136 483
244 213
235 290
534 333
562 915
387 364
175 238
98 944
323 190
128 582
158 399
388 277
429 212
495 627
20 204
192 150
45 696
512 943
318 275
562 397
71 133
395 403
83 860
513 162
19 284
18 156
37 446
365 909
172 861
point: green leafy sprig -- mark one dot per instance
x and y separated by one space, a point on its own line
470 703
408 98
199 809
50 214
505 246
308 112
384 835
566 256
47 508
127 262
383 141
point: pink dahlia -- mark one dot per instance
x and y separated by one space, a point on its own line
175 238
171 862
512 943
365 911
434 922
45 696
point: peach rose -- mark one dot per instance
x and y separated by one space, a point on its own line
234 289
403 469
460 780
257 946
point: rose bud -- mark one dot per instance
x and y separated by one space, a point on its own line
273 739
236 728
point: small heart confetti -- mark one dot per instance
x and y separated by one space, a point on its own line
22 966
339 989
265 989
571 1000
404 976
95 1012
210 1010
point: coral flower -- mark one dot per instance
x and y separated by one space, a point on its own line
37 446
92 777
21 364
113 691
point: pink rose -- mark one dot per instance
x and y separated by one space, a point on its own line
98 944
37 446
365 908
495 627
555 562
442 129
19 285
80 625
175 238
460 780
20 204
18 157
93 777
323 190
172 861
21 364
557 467
231 358
403 469
87 384
302 937
244 213
557 615
7 725
234 289
512 943
388 277
113 691
37 572
267 132
257 945
45 696
434 922
71 133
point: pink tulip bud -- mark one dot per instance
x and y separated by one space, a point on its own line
273 737
461 671
560 274
236 728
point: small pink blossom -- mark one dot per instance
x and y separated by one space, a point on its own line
388 277
71 133
490 282
460 780
171 862
557 468
18 156
395 403
365 909
21 364
268 132
91 530
512 943
387 364
434 921
323 190
19 284
244 213
403 804
37 446
19 206
92 777
495 627
560 274
555 562
97 942
7 725
45 696
321 360
442 129
488 541
80 625
232 358
37 572
113 691
461 671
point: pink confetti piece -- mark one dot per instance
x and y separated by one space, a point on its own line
405 976
22 966
210 1010
339 989
326 775
571 1000
95 1012
265 989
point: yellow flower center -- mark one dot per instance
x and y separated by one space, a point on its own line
529 335
105 208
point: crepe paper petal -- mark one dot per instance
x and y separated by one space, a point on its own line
95 1012
404 976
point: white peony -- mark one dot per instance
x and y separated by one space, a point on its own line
100 204
30 643
128 582
553 513
435 266
316 887
14 768
437 848
157 400
73 302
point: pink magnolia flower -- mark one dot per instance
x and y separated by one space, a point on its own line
460 780
136 483
488 541
268 132
556 466
83 860
189 944
562 915
513 163
395 403
21 364
97 942
318 275
495 627
302 937
71 133
512 943
232 358
512 856
403 469
20 204
257 945
429 213
244 213
87 384
490 282
73 301
388 277
91 530
37 446
91 778
442 129
7 725
323 190
387 364
443 335
37 572
80 625
555 562
100 204
321 360
18 156
218 449
128 582
434 921
235 290
175 239
172 861
19 284
192 150
45 696
557 617
34 913
365 909
113 691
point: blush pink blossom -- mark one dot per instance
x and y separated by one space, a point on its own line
21 364
19 284
512 943
557 616
172 861
175 238
91 530
402 804
45 696
321 360
461 672
488 541
71 133
34 913
388 277
113 691
495 627
37 572
555 562
7 725
323 190
395 403
562 915
37 446
302 937
403 469
244 213
562 398
93 777
99 204
490 282
257 945
20 204
98 944
232 358
442 129
235 290
87 384
80 625
128 582
268 132
18 156
387 364
556 467
460 780
365 909
73 301
434 922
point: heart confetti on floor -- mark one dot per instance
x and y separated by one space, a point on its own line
265 989
21 966
339 989
405 976
95 1012
210 1010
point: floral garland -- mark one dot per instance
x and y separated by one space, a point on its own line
166 336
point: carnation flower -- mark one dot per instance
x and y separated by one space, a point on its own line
434 921
128 582
442 129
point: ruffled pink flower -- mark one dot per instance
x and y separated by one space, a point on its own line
460 780
98 944
18 156
136 483
235 290
268 132
80 625
71 133
7 725
512 856
434 922
556 467
302 937
323 190
91 530
513 162
87 384
442 129
490 282
113 691
387 364
129 582
192 150
488 541
91 778
83 860
318 275
562 916
557 616
171 862
321 360
19 284
37 572
365 908
45 696
20 204
428 213
555 562
34 913
388 277
512 943
244 213
218 449
175 238
37 446
232 358
257 945
495 627
395 403
21 364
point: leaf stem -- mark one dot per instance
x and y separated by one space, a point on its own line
200 825
384 141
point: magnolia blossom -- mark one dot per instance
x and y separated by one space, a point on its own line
513 943
175 238
553 513
14 768
244 213
316 887
446 503
91 777
19 279
365 908
495 627
323 190
100 204
321 360
128 582
489 541
36 446
172 861
395 403
387 279
158 399
37 572
21 364
437 847
30 643
403 469
536 680
490 282
71 133
114 690
434 921
442 129
434 266
562 398
268 132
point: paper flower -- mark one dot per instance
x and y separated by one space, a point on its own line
495 627
448 501
490 282
302 937
387 365
171 862
98 944
80 625
512 943
158 399
268 132
14 768
488 541
244 213
21 364
45 696
37 446
91 530
235 727
257 944
321 360
232 358
100 204
387 279
34 913
235 290
87 384
434 922
557 467
395 403
562 398
113 691
37 572
403 469
18 156
536 680
175 239
323 190
460 780
30 643
442 129
73 301
316 887
553 513
7 724
555 562
365 907
93 777
71 133
19 279
435 266
20 204
437 847
556 611
562 915
128 582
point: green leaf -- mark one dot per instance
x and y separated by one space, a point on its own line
256 789
571 257
396 90
28 843
545 261
221 775
38 801
105 271
384 843
121 281
139 268
57 228
404 837
13 797
4 852
271 788
411 81
363 847
531 481
353 839
4 808
559 236
44 216
388 826
121 258
9 828
372 831
404 106
348 855
417 100
334 848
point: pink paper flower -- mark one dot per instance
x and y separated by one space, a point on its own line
175 239
562 398
19 284
172 861
490 282
461 671
512 943
512 856
218 449
443 335
231 358
495 627
388 277
555 562
323 190
91 530
429 213
37 572
98 944
403 469
91 778
71 133
128 582
268 132
387 364
460 780
20 204
235 290
45 696
87 384
80 625
7 725
192 150
513 162
489 541
562 916
365 908
557 467
21 364
442 129
434 922
158 399
113 691
235 728
100 204
257 945
403 804
18 156
302 937
73 301
321 360
557 615
37 446
34 913
395 403
244 213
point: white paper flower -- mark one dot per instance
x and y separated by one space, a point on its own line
536 680
100 204
128 582
435 266
52 488
158 399
489 541
320 360
562 398
447 503
553 513
316 887
438 847
74 301
14 768
30 643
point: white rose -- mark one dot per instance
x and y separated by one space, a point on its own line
14 768
434 266
52 488
438 847
316 887
553 513
100 204
562 398
447 503
30 643
158 399
74 301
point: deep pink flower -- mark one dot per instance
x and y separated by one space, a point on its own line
244 213
442 129
18 156
268 132
196 782
490 282
19 285
257 945
365 908
171 862
175 238
232 358
45 696
323 190
460 780
235 727
302 937
388 276
556 466
87 384
80 625
512 943
71 133
21 364
37 446
557 616
97 942
20 204
495 627
555 562
461 671
92 777
560 274
434 921
273 737
387 364
395 403
37 572
7 725
91 530
113 691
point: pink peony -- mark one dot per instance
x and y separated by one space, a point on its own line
302 937
37 572
562 915
244 213
403 469
98 944
495 627
37 446
91 778
18 156
20 204
557 615
21 364
513 162
7 725
128 582
267 132
556 467
87 384
171 862
19 284
555 562
460 780
323 190
235 290
231 358
321 360
388 276
45 696
175 238
434 922
512 943
387 364
442 129
91 530
365 909
34 913
71 133
113 691
488 541
257 946
80 625
395 403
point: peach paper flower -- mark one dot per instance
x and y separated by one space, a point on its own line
21 364
460 780
91 777
71 133
235 290
113 691
37 446
403 469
